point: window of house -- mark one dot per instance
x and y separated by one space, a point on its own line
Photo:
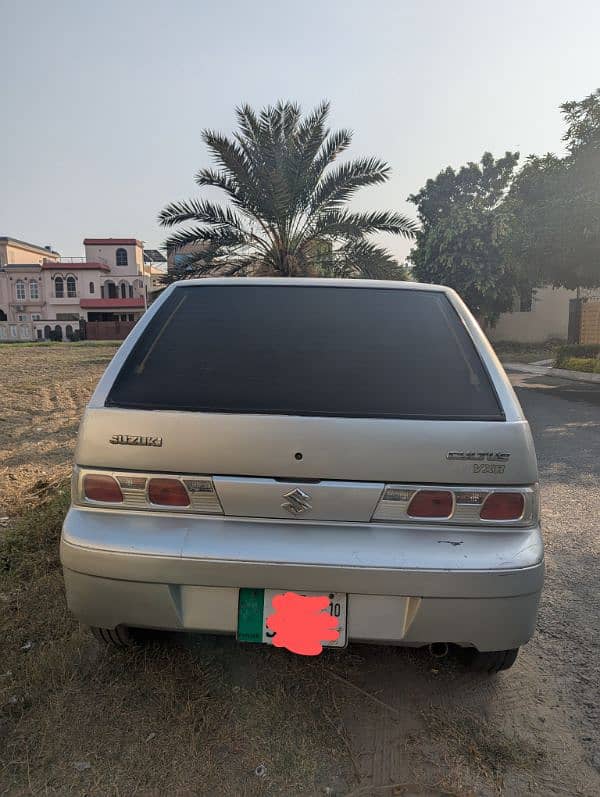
20 290
123 290
34 290
131 291
36 317
59 288
13 331
2 333
22 317
24 333
92 288
71 287
121 257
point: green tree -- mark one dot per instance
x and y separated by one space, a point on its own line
465 228
555 204
287 212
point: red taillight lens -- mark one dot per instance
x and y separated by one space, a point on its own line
102 488
503 506
168 492
431 503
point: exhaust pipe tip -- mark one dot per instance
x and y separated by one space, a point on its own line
438 649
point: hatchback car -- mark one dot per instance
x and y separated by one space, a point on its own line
352 439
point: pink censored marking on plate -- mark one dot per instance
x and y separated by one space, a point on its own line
301 624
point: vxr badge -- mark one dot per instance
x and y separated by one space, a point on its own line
297 502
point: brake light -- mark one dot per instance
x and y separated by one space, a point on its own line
168 492
431 503
503 506
99 487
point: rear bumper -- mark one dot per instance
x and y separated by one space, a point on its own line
405 586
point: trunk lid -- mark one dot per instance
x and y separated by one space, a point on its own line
329 388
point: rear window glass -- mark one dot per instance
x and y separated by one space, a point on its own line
307 350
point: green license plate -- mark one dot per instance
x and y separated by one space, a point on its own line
255 606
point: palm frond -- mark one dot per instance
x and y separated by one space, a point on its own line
338 185
203 211
343 224
365 259
218 179
193 236
335 143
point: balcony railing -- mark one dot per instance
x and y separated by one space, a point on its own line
79 260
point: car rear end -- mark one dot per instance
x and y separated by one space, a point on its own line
353 439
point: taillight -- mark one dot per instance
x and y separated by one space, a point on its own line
98 487
168 492
458 505
431 503
503 506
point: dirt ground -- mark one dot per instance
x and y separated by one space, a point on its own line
43 391
194 715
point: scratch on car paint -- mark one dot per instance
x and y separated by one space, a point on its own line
452 542
515 556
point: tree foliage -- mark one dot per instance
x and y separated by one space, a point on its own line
555 203
465 228
287 212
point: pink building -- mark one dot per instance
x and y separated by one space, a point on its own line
43 294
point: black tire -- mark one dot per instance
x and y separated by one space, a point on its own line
491 661
119 637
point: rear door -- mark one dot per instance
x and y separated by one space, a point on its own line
303 400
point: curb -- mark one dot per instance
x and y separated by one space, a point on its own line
561 373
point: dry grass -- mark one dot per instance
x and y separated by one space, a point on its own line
180 715
44 390
480 751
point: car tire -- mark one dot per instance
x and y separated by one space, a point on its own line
119 637
491 661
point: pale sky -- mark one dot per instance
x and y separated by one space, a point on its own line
103 102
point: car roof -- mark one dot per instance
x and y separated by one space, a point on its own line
322 282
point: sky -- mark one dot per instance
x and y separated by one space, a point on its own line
103 102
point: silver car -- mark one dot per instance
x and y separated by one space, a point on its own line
352 439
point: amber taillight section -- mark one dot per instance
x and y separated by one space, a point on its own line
431 503
98 487
503 506
168 492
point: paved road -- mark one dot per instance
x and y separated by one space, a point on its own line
536 728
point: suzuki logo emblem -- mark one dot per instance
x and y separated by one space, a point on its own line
297 502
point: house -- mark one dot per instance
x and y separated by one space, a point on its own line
44 295
537 316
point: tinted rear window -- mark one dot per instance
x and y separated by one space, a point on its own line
307 350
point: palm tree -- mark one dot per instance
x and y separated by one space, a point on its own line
287 213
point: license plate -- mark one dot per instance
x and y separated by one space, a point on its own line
256 605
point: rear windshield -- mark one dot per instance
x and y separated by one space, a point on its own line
307 350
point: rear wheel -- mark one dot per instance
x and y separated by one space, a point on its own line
119 637
491 661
